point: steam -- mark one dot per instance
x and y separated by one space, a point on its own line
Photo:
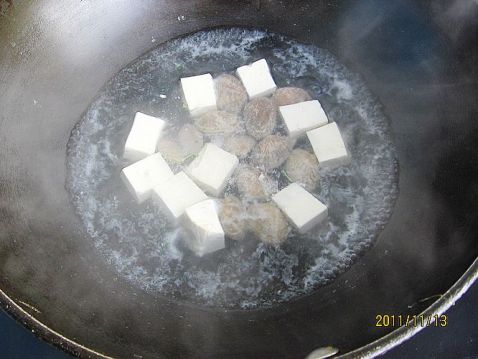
456 16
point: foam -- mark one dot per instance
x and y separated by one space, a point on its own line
146 249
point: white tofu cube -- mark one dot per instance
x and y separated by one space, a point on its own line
257 79
300 207
203 221
328 145
212 168
143 137
199 94
302 117
176 194
141 177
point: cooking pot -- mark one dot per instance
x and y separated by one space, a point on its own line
418 57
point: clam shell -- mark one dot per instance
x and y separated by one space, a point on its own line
302 167
271 152
190 139
232 216
171 150
260 117
218 122
240 145
250 184
290 95
231 96
267 223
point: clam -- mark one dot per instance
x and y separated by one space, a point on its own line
231 96
252 184
267 223
190 139
232 216
290 95
302 167
240 145
272 152
260 117
218 122
171 150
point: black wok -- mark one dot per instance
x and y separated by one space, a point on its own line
418 57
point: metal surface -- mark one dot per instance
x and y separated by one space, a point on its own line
55 57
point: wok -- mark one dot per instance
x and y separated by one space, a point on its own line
418 57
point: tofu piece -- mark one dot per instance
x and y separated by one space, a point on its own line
302 209
176 194
257 79
141 177
328 145
199 94
302 117
203 221
143 137
212 168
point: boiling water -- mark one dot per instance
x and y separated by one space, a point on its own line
144 248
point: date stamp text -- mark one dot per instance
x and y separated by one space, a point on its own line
392 320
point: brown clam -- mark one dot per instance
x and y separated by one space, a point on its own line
302 167
171 150
232 216
272 152
252 184
290 95
217 122
267 223
190 139
239 145
260 117
231 95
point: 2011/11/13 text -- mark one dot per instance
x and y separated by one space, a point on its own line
392 320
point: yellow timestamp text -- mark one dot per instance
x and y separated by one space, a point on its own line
393 320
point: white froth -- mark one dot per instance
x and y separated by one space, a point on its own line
344 90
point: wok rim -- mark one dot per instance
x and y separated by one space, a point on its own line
13 308
371 350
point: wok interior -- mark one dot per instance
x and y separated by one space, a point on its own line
54 60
